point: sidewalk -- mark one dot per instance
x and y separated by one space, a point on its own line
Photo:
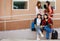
25 40
26 34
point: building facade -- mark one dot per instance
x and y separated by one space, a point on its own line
13 19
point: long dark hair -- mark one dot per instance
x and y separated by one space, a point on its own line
37 4
44 17
48 3
45 7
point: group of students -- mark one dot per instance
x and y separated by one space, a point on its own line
43 22
48 9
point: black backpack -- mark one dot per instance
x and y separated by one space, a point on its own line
54 34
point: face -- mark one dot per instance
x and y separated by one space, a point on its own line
45 16
46 4
38 16
39 4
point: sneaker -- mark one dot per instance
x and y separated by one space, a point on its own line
42 35
38 38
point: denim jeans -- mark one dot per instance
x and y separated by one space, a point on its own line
48 31
38 29
47 35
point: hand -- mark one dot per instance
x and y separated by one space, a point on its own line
50 24
41 26
46 19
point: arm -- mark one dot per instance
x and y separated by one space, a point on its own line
51 23
43 23
35 22
37 10
50 10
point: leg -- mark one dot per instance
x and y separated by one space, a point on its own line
38 36
47 35
42 29
37 31
48 30
40 32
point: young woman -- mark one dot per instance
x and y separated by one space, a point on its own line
47 24
49 9
38 8
38 23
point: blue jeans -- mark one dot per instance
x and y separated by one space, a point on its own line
47 35
48 31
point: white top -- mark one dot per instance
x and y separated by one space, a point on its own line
40 11
38 21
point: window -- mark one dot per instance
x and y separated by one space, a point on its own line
52 2
20 4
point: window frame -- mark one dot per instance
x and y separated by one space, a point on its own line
21 1
50 1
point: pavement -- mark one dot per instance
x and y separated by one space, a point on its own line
24 34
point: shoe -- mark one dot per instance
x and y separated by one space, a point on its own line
38 38
42 35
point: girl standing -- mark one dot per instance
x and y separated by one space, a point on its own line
38 8
48 9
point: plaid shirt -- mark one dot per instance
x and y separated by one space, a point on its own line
49 22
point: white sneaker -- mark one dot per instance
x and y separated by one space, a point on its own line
42 35
38 38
